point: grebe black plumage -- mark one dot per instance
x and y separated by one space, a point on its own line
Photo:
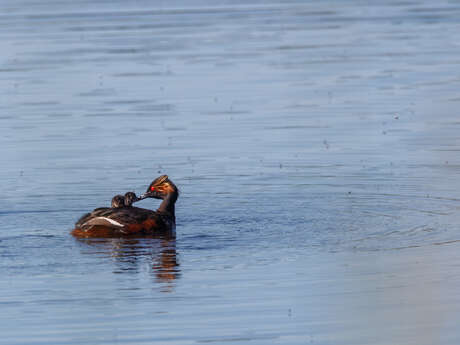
127 220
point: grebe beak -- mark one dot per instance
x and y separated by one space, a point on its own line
151 194
148 195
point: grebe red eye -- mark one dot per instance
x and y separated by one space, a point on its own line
152 188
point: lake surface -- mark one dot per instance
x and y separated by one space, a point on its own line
316 146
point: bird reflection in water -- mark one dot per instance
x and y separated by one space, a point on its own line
131 255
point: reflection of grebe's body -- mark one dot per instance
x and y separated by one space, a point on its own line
133 221
130 254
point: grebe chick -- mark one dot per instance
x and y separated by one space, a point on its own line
118 201
134 221
130 198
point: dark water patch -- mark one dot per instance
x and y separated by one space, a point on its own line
42 103
446 242
449 9
165 107
107 114
316 13
10 212
98 93
143 74
302 106
293 127
230 112
127 102
156 12
390 19
134 28
29 237
238 339
13 70
307 47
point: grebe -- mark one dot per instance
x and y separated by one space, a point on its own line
121 201
130 198
118 201
127 220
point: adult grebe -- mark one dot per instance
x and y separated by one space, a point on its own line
121 221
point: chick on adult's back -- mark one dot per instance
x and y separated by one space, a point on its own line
125 220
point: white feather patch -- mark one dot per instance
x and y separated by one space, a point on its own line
114 222
104 221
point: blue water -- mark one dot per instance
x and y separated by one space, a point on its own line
315 145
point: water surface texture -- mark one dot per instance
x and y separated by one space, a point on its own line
315 143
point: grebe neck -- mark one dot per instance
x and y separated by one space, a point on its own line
168 204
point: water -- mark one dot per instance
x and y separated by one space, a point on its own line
315 145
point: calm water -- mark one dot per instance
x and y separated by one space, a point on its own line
316 146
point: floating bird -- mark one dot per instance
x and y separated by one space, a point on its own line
123 220
118 201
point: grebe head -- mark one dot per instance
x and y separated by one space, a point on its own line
118 201
130 198
160 188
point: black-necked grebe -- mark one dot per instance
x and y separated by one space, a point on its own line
130 198
118 201
134 221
